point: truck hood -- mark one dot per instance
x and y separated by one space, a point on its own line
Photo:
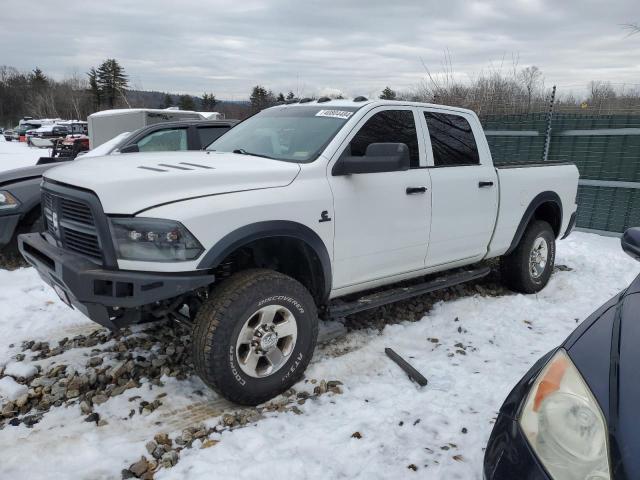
24 173
129 183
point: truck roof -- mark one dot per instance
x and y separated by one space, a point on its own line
360 102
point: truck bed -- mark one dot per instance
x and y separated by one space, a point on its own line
519 185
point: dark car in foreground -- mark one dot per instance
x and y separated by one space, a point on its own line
20 188
574 415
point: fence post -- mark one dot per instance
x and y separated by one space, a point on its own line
547 140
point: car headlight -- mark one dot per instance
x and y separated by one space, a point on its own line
564 424
8 201
153 240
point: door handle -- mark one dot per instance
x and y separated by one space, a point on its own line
485 184
415 190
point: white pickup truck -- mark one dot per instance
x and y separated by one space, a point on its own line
250 241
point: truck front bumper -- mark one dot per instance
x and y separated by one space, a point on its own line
112 298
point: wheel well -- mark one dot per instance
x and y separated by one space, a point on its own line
549 212
546 206
29 218
288 255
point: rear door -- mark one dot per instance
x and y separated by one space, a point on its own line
381 219
464 191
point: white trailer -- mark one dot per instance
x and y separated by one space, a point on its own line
105 125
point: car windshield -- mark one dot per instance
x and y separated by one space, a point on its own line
290 133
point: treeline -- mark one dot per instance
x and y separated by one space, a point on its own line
519 91
496 91
105 86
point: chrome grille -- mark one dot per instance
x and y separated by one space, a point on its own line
71 222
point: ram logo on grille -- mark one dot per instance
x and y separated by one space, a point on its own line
54 221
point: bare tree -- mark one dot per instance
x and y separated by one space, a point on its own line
531 78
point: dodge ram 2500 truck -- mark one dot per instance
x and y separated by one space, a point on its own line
250 241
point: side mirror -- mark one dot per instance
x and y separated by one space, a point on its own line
379 157
631 242
132 148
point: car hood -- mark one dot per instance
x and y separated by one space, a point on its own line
612 339
25 173
129 183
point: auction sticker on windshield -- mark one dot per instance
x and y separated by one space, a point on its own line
344 114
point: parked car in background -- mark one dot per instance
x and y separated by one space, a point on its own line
170 137
23 184
52 131
298 205
574 415
21 130
8 134
105 125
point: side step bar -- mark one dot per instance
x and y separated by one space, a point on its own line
378 299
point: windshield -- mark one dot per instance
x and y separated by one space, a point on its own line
290 133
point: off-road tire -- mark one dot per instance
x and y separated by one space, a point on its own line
222 316
515 269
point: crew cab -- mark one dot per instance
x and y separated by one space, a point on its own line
296 213
20 210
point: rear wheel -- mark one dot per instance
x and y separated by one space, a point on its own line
528 268
255 335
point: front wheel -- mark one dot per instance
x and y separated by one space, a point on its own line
528 268
254 336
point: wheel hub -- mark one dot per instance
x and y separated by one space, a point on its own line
538 257
266 341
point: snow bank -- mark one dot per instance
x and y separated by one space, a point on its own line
472 350
17 155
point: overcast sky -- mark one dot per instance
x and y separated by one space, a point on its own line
312 47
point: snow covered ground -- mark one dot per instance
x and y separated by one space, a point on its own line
472 350
17 154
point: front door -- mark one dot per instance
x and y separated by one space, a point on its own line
381 219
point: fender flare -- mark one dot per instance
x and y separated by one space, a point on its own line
269 229
544 197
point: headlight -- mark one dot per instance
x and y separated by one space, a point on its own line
153 240
564 424
8 201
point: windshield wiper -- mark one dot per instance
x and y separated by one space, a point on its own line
242 151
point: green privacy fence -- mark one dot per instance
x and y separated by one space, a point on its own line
605 148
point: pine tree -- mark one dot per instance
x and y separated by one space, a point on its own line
290 96
209 102
388 94
261 98
185 102
280 97
168 101
94 88
111 80
38 79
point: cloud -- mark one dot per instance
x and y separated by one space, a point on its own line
357 47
